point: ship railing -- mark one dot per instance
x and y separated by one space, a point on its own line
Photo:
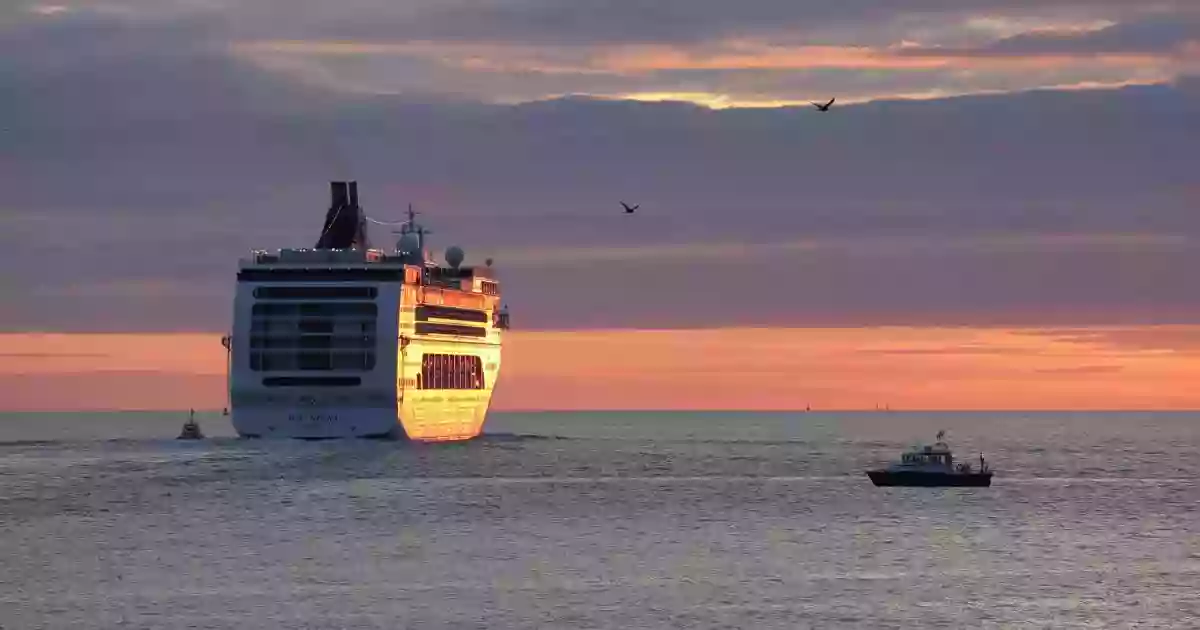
325 256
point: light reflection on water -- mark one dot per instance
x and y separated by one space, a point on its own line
603 521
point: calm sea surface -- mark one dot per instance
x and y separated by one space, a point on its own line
602 520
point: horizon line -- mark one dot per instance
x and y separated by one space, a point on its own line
693 327
848 410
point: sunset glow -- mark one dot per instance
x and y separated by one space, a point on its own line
649 65
987 174
750 369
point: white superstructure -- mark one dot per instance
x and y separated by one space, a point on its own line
347 341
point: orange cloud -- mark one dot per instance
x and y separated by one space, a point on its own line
748 369
725 101
651 71
747 56
58 353
642 58
48 9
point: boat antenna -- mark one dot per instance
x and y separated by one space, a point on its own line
412 227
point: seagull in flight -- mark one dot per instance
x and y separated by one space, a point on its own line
628 209
825 107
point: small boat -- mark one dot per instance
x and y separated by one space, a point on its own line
191 429
931 466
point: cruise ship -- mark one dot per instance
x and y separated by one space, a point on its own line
342 340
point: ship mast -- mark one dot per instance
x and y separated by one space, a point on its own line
412 238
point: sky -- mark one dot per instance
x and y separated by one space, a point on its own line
990 167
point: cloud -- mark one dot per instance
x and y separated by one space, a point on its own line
947 351
590 22
870 246
52 355
130 288
59 353
748 71
1153 35
49 9
751 71
1082 370
730 368
507 51
108 391
1149 340
137 175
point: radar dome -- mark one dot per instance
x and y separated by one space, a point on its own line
410 243
454 256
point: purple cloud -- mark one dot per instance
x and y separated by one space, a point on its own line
589 22
1154 34
129 171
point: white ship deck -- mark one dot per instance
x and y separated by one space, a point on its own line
342 340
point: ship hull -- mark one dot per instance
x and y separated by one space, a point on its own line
444 414
923 479
446 419
404 412
316 424
418 415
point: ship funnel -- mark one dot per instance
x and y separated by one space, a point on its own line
339 195
345 223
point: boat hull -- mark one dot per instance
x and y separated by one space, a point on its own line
316 424
926 479
418 416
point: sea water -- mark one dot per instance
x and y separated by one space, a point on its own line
602 520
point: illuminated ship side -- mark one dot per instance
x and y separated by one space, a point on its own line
347 341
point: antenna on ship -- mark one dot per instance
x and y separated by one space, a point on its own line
412 238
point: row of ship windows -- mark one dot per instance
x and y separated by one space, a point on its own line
450 371
264 327
360 309
311 342
341 334
488 287
341 310
438 371
319 293
274 361
314 309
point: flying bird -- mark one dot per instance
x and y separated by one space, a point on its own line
628 209
825 107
